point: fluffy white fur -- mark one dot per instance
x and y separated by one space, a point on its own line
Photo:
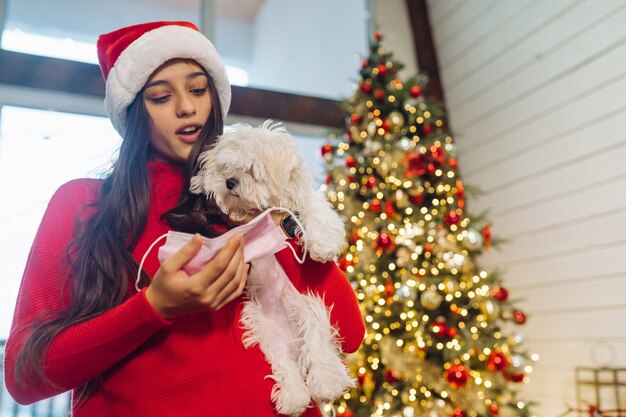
293 330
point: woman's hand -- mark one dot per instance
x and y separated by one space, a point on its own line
173 292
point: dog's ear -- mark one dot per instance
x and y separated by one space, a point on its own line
258 170
196 182
299 184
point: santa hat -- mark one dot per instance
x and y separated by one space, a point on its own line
128 57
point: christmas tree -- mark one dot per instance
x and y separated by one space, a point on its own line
441 337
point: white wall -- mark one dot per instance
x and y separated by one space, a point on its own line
392 19
535 91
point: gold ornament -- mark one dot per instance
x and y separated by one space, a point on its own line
431 299
382 169
489 309
405 143
372 128
518 363
451 149
355 134
450 285
403 257
473 240
402 199
395 120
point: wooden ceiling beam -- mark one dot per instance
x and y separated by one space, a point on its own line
425 51
38 72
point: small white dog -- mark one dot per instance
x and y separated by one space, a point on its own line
247 171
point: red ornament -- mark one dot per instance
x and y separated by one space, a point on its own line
457 376
494 409
454 164
329 179
440 329
384 242
389 289
487 236
354 237
517 377
452 332
452 218
460 190
497 361
375 205
460 193
417 198
365 63
459 413
427 130
385 125
346 413
382 70
520 317
326 148
355 118
360 379
500 294
379 94
417 164
378 36
351 178
366 88
428 249
371 183
350 161
391 376
415 91
343 264
390 210
438 154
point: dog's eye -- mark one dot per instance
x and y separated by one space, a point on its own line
231 183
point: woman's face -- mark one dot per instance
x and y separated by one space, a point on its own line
178 102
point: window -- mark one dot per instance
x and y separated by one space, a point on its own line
303 47
39 151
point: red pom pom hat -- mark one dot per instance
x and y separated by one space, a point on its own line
128 56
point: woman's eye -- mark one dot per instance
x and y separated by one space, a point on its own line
199 91
161 99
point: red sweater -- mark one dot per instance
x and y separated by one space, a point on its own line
194 365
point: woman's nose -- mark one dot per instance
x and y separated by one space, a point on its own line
185 106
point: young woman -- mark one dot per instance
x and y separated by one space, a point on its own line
174 348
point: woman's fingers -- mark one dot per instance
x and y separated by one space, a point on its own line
176 262
219 264
242 278
221 283
228 292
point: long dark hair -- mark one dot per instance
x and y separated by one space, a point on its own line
100 254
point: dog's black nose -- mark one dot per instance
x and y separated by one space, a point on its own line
231 183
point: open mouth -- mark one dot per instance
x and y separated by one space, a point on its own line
189 134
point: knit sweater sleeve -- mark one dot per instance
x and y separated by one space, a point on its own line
330 283
85 350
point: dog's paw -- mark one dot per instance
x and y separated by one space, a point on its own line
327 383
292 399
325 245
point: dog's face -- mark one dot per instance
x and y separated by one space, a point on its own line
250 169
